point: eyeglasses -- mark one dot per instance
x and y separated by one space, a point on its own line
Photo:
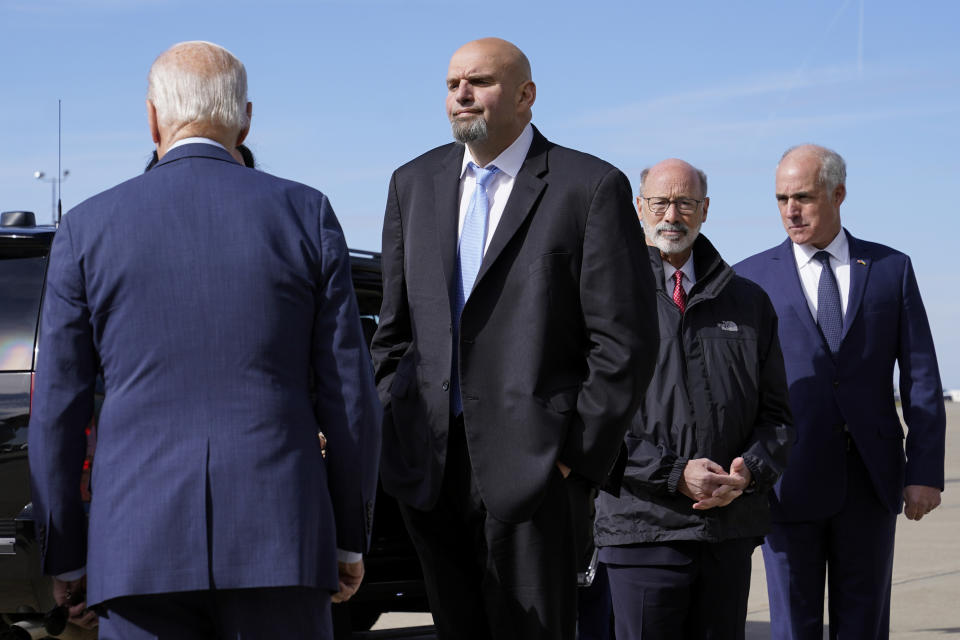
659 206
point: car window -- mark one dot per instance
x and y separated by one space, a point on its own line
21 287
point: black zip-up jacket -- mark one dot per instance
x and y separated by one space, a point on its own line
719 391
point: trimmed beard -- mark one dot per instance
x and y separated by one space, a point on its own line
470 131
670 247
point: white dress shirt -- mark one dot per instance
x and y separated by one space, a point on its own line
810 268
689 277
196 140
499 186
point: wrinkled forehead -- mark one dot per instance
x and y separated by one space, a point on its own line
476 63
672 182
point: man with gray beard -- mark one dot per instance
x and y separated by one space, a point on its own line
516 337
708 442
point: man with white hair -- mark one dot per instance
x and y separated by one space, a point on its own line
210 295
709 440
849 310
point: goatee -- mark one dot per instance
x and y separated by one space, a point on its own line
470 130
668 246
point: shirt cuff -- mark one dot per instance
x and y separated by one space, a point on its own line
348 556
70 576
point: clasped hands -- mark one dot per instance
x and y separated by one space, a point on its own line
709 485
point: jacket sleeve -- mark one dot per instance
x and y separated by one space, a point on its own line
620 321
769 445
393 336
921 393
652 465
346 400
62 408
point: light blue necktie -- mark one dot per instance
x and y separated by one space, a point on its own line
473 237
829 314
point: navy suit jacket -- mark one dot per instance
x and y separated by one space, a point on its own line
852 392
210 294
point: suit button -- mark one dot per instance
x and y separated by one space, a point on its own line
445 386
836 384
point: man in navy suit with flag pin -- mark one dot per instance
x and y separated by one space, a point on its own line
849 310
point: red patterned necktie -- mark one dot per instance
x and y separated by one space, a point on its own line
679 294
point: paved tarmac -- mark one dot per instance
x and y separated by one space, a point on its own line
925 602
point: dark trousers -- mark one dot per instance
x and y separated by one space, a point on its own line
493 580
688 590
852 550
228 614
594 609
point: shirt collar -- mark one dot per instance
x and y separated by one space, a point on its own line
839 250
510 159
196 140
687 268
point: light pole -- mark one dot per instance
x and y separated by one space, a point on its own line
42 177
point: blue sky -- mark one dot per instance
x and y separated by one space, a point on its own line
344 92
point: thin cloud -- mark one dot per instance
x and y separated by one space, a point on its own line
747 88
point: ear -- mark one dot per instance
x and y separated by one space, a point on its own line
152 120
243 132
706 205
839 194
528 95
640 207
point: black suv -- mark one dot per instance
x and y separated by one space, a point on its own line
393 580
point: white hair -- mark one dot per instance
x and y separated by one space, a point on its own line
833 170
208 84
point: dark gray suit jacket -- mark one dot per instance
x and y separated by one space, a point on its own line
558 337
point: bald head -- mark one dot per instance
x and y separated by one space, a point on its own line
503 53
489 96
675 168
199 88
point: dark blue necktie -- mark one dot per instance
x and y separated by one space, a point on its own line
829 314
473 237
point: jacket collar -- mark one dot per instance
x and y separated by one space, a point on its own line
527 187
784 270
195 150
711 270
861 259
785 265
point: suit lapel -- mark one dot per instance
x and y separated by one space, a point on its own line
785 264
859 272
527 188
446 188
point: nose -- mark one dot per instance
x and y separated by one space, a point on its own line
462 93
672 214
793 207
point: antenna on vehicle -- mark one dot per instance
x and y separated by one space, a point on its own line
59 174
